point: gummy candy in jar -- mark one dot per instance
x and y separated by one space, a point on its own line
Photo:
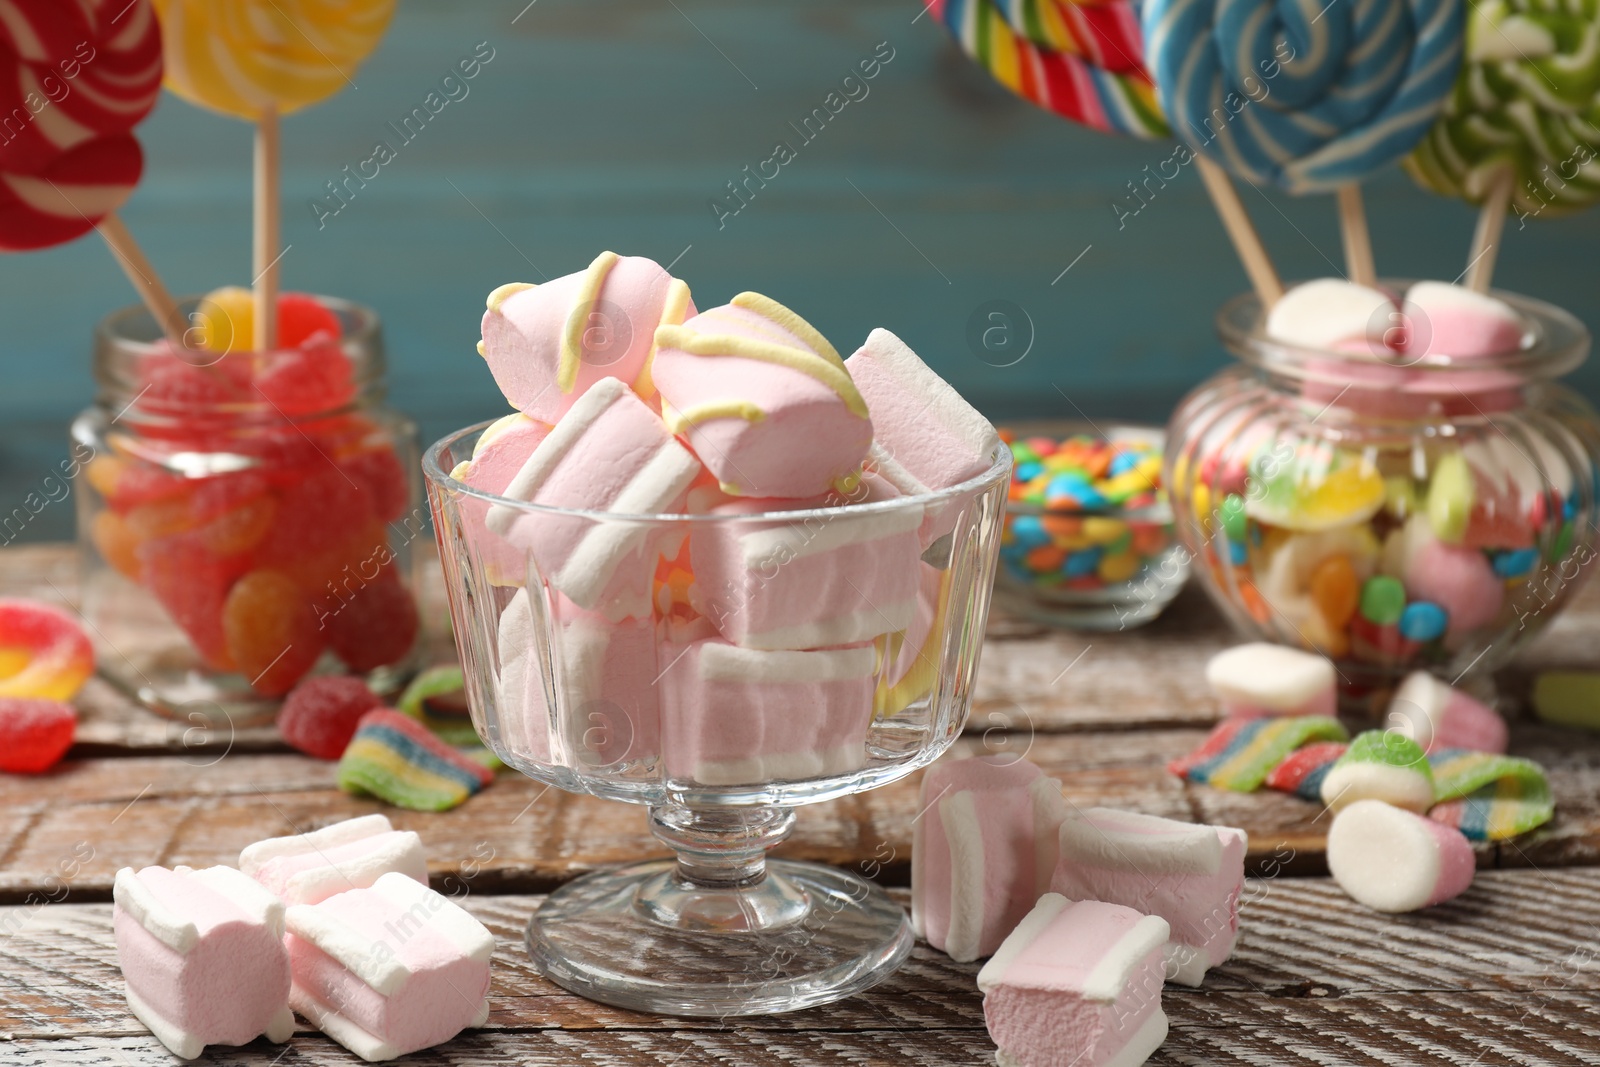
1393 509
246 518
1088 540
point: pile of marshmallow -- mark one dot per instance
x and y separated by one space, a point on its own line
338 925
723 652
1084 914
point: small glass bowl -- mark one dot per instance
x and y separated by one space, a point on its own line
1090 562
678 687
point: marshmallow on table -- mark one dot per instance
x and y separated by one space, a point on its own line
835 579
1452 320
609 453
502 449
1189 875
1077 985
1395 860
982 851
352 854
1380 765
547 344
389 969
927 437
1259 679
203 955
733 716
763 399
1436 715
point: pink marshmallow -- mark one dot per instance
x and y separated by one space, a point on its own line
522 711
352 854
735 716
390 969
203 956
982 850
809 583
501 451
1393 860
1460 580
763 399
1436 716
609 453
1451 320
611 710
1077 985
546 345
1260 679
1189 875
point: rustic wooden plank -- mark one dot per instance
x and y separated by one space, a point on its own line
522 837
1507 972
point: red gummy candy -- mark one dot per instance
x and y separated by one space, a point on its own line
320 716
34 734
271 631
304 381
316 515
376 625
192 585
300 315
380 473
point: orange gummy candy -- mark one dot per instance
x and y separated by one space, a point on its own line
271 631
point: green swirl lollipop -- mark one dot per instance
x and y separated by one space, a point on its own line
1522 128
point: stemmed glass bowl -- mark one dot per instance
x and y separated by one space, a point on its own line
720 669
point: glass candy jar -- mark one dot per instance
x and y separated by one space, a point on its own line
246 519
720 669
1392 512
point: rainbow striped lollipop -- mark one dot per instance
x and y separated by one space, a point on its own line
1311 95
1080 61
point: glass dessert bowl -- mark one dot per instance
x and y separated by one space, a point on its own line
640 696
1390 511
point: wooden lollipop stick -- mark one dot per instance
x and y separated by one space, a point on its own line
1246 241
266 254
1358 260
144 278
1486 239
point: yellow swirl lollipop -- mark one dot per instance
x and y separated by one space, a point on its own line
243 57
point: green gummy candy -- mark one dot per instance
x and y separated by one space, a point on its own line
1451 494
1568 698
1383 600
1235 523
1390 748
433 682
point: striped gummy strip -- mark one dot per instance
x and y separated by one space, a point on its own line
396 758
1489 797
1240 753
1302 772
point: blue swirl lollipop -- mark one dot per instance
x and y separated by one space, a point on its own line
1307 94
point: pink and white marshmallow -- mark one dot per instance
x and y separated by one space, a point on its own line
1452 320
546 345
735 716
390 969
352 854
835 579
1331 313
983 849
1393 860
1436 715
1190 875
609 453
501 451
763 399
203 955
1077 985
1260 679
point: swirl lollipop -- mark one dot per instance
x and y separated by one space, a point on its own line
76 76
1080 61
256 60
1310 95
1522 125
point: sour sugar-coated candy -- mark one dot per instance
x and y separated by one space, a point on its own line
377 625
1568 698
34 733
320 715
1381 765
271 631
43 651
396 758
1393 860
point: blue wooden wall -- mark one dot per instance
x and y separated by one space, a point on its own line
614 123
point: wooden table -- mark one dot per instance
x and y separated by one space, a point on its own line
1507 974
